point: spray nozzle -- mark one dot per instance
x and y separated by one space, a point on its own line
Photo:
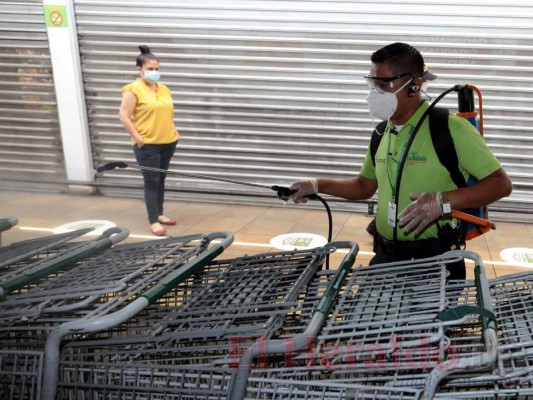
111 165
284 193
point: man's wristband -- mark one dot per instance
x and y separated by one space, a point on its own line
314 185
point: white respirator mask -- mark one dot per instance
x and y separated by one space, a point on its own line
382 105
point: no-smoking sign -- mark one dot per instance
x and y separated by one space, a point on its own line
55 16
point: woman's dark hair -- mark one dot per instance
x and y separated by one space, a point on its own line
144 56
401 58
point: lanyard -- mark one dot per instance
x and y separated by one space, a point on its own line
399 168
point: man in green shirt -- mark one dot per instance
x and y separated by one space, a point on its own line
405 223
427 76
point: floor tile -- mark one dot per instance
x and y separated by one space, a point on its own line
252 226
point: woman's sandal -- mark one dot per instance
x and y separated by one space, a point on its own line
167 221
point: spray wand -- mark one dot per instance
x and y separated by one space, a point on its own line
283 192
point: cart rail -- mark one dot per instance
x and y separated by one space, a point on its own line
7 223
20 256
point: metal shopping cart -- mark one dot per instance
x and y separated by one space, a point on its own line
98 294
391 328
512 377
30 260
7 223
513 305
17 256
189 342
33 249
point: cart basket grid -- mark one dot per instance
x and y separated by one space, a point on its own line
165 347
101 292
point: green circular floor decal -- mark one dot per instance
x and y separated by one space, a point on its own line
518 255
298 241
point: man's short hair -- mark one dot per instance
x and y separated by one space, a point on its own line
401 58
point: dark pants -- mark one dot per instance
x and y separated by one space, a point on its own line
154 156
404 251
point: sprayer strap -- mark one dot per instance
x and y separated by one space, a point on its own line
443 144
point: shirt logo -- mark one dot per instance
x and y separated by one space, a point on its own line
414 157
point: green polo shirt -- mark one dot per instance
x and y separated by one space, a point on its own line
423 171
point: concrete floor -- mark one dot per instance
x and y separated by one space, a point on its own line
252 226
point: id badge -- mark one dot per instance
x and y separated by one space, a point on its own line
392 215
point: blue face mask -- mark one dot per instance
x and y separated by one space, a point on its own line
152 76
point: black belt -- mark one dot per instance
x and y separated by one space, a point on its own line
408 247
407 250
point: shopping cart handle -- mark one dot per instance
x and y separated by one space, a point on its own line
460 312
111 165
284 193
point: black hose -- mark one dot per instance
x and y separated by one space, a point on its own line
455 88
330 223
284 193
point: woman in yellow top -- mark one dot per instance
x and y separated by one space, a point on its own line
147 114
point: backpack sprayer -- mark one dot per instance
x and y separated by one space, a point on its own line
475 225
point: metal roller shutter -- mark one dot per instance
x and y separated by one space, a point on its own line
30 144
272 91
